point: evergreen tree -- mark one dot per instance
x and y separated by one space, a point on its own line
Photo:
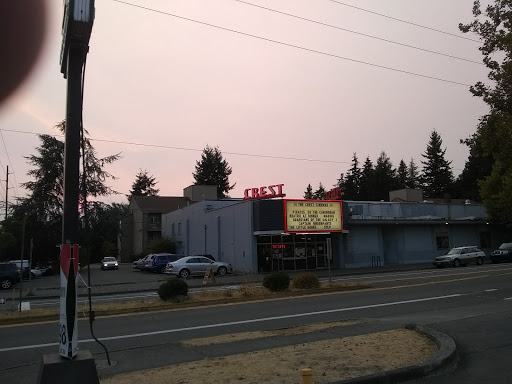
413 176
492 140
341 185
42 208
308 194
353 180
437 176
213 170
402 174
385 177
144 185
319 194
367 185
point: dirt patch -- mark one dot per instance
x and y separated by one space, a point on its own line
330 360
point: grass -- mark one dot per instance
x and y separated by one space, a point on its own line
247 292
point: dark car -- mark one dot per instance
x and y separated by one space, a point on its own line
9 275
503 253
158 262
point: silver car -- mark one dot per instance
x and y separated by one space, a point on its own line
461 256
196 265
109 263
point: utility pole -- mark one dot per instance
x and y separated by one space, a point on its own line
6 190
64 368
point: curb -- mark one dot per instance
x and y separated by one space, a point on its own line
444 356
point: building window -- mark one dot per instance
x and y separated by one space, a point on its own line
172 229
154 219
179 228
442 241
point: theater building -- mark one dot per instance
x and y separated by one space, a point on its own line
265 232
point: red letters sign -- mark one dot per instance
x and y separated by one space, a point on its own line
264 192
278 246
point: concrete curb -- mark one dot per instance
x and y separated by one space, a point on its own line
443 357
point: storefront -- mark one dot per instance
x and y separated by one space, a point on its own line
292 252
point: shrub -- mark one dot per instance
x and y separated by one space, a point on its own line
305 280
276 281
172 289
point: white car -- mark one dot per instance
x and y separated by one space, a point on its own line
461 256
35 273
109 263
196 265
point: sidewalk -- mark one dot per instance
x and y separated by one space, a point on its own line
120 287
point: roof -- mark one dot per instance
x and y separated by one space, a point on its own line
159 204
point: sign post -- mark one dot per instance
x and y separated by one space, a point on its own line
68 325
329 257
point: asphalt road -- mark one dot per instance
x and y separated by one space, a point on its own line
472 304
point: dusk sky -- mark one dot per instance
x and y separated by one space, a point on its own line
286 100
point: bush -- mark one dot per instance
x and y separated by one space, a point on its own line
172 289
305 280
276 281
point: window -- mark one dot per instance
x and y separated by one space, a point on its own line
179 228
154 218
442 241
172 229
485 239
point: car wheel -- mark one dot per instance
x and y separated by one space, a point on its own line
184 273
456 263
221 271
479 261
6 284
32 275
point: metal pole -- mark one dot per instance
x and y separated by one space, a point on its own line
6 190
22 251
70 217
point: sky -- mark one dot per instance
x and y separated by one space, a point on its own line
288 90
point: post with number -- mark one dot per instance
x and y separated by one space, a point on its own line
68 330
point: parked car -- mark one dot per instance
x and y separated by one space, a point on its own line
196 265
159 262
26 268
503 253
34 272
137 264
9 275
109 263
46 269
461 256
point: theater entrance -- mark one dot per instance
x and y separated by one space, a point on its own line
292 252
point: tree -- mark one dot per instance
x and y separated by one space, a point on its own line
42 208
385 177
413 176
319 194
213 170
402 174
437 176
144 185
353 180
367 185
308 194
492 139
163 244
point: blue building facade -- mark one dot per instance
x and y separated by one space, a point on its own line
250 234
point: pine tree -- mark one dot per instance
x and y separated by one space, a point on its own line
308 194
413 177
367 185
319 194
385 177
402 174
353 180
437 176
213 170
144 185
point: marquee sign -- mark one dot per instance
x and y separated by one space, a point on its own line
265 192
312 216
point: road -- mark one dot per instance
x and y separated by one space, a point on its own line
472 304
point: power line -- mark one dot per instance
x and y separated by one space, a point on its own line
192 149
405 21
196 150
296 46
360 33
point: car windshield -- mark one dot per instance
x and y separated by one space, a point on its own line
109 259
506 246
454 251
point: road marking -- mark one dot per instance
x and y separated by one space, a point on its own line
491 290
507 298
231 323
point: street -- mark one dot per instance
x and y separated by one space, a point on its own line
472 305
